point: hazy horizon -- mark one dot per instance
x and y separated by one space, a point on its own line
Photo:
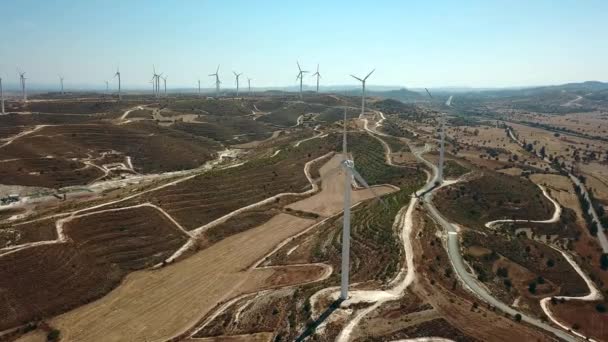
475 44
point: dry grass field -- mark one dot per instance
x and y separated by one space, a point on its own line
160 304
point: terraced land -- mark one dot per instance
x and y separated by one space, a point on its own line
47 172
226 129
223 107
333 114
46 280
288 114
132 238
15 234
152 148
75 107
493 196
369 156
207 197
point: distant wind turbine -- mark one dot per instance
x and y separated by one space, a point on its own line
117 74
199 88
249 85
237 82
61 81
301 77
107 87
217 81
442 139
318 76
165 83
1 96
363 91
22 81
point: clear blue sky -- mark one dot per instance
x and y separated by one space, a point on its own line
414 44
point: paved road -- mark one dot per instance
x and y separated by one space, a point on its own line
461 270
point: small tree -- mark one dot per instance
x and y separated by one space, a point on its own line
532 287
604 261
53 335
518 317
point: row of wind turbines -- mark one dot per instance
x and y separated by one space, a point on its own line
156 77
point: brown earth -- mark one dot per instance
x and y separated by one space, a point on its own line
42 281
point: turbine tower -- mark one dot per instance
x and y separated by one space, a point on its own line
117 74
301 77
217 81
155 82
363 91
1 96
237 82
318 76
22 81
107 87
199 88
441 139
349 173
61 81
249 85
442 148
165 83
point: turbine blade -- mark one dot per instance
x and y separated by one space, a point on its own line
428 92
353 76
218 69
299 66
370 73
364 183
449 101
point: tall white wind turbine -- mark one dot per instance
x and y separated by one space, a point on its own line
22 82
249 86
1 96
217 81
117 74
301 77
237 76
363 91
199 88
318 77
349 172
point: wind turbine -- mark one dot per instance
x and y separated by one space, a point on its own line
237 82
318 76
217 81
22 81
363 92
300 76
155 82
249 85
61 81
165 82
1 96
442 139
117 74
107 87
349 172
199 88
